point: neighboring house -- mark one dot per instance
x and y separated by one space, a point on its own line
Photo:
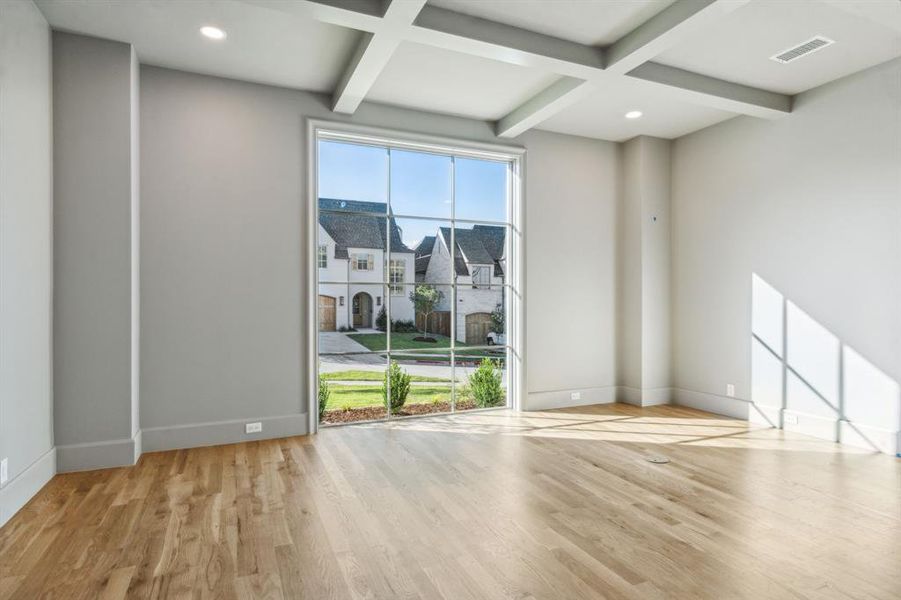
479 269
351 254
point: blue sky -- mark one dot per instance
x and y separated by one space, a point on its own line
421 184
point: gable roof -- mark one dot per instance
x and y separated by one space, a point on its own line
423 253
481 245
355 224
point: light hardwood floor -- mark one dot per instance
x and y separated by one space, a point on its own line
558 505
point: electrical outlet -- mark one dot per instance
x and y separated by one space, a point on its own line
575 395
4 471
789 419
253 427
730 390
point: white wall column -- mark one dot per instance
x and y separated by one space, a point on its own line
643 336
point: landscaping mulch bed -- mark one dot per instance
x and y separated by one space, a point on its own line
372 413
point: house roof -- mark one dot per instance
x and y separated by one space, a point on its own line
481 245
355 224
423 253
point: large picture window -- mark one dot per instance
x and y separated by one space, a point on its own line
423 238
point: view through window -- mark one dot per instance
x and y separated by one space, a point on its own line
418 242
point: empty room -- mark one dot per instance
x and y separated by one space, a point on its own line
450 299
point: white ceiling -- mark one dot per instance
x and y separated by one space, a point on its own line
600 115
740 46
263 46
595 23
280 43
443 81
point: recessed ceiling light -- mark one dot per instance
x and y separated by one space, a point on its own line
633 114
214 33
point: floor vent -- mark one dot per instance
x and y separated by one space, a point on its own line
808 47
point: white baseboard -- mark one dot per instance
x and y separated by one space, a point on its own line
22 488
98 455
563 398
196 435
857 435
825 428
644 396
628 395
721 405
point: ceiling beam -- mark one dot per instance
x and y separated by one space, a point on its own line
497 41
373 53
548 102
581 68
665 29
716 93
362 15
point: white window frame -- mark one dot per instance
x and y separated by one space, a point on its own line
514 287
322 256
397 286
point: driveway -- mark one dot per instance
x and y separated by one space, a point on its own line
334 341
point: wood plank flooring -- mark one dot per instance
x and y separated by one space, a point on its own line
557 505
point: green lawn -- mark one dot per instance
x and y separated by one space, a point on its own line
401 341
374 376
405 341
353 396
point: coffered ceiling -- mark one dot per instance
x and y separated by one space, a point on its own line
572 66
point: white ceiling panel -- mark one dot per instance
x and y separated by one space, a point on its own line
602 114
739 48
443 81
592 22
263 45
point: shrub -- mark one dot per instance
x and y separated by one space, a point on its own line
497 319
404 327
381 323
400 386
324 393
485 384
346 329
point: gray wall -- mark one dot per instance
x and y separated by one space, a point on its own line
224 266
95 216
26 434
571 213
811 204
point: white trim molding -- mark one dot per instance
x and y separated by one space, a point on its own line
23 487
563 398
197 435
644 396
98 455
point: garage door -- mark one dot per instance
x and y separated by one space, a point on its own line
477 327
326 313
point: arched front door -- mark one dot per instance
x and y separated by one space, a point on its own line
362 310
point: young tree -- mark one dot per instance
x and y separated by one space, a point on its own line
426 299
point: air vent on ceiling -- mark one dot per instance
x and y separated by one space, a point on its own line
808 47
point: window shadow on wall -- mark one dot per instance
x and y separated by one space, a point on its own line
804 378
